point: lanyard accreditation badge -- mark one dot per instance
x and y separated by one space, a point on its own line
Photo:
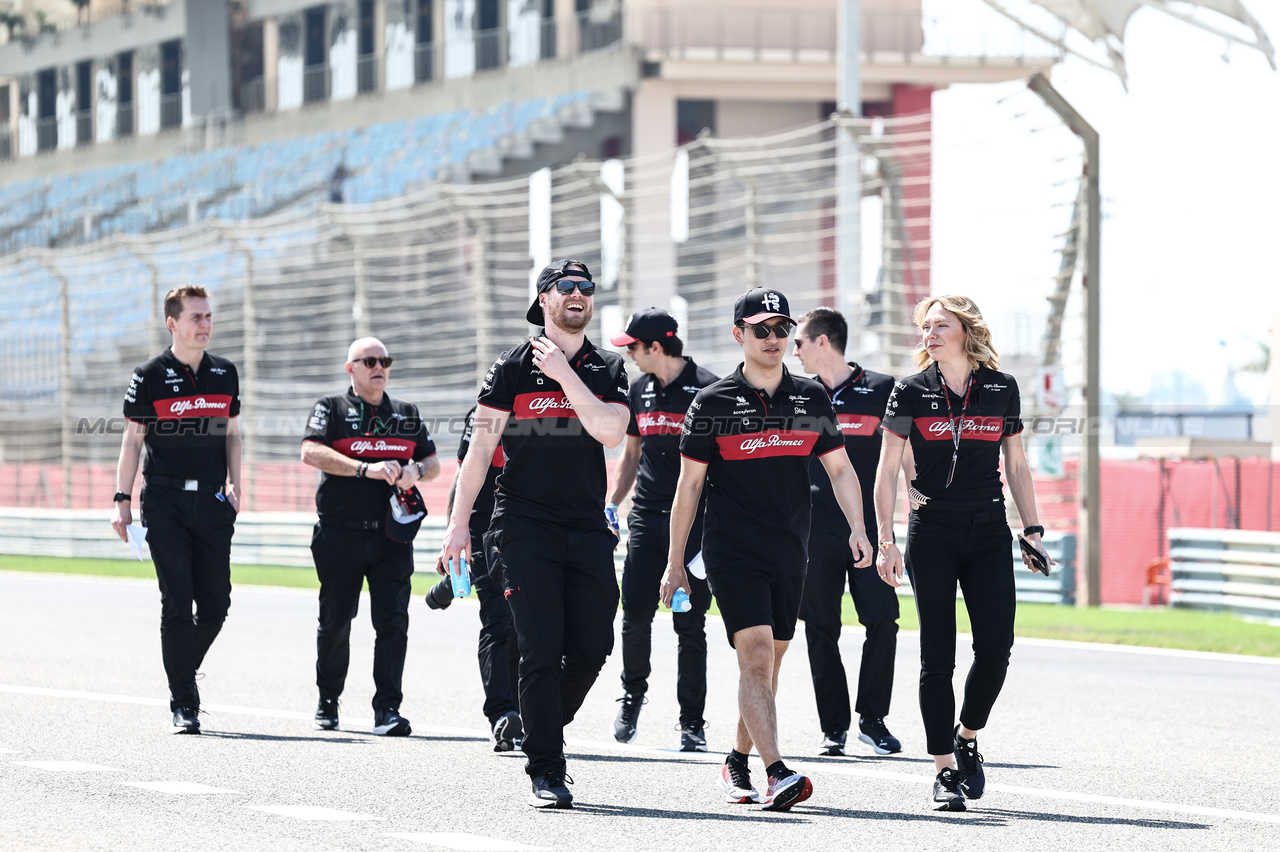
957 426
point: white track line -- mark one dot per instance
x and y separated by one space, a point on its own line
178 788
311 812
64 766
464 841
644 752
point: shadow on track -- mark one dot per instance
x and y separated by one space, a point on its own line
652 813
1096 820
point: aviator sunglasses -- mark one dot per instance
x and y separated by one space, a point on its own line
371 361
565 287
762 332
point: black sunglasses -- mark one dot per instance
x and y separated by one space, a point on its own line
565 287
762 332
371 361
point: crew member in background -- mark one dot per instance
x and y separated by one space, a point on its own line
366 445
858 396
651 460
498 652
183 405
749 437
555 402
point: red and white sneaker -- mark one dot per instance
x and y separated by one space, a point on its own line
784 792
735 781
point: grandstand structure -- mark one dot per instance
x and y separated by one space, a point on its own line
683 151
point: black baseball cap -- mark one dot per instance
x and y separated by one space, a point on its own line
548 278
756 306
648 325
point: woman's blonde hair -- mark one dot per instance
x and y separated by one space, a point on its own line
977 338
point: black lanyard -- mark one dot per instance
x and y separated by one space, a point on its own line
956 427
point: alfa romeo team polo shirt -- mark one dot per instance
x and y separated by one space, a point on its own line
859 404
657 418
757 448
917 410
555 470
186 415
388 431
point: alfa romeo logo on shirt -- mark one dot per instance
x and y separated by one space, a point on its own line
752 444
377 447
543 404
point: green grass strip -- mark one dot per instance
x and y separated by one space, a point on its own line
1190 630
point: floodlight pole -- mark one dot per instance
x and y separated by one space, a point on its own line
1089 514
849 167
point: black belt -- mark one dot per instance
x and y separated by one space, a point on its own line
967 511
352 525
183 484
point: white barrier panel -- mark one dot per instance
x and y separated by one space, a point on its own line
1233 570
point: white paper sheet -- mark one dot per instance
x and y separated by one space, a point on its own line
696 566
137 535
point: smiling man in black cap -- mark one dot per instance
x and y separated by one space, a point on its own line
555 402
651 461
749 438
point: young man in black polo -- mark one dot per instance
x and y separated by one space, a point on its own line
749 438
496 650
555 402
858 397
183 405
366 445
651 460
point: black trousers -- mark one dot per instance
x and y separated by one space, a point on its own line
563 594
344 558
974 549
830 568
648 538
189 533
498 652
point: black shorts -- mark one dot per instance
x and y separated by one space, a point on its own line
750 597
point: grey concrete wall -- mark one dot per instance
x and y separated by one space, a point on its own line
207 50
101 38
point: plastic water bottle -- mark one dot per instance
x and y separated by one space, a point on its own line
461 579
680 601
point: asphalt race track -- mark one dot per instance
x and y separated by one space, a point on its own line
1089 747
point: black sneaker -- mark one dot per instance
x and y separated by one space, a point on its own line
693 736
735 781
507 732
969 765
186 720
389 723
550 790
832 743
786 790
327 715
875 734
947 795
624 725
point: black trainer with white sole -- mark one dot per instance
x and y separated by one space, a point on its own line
693 737
389 723
873 732
186 720
550 790
326 715
628 718
947 795
507 732
969 764
832 744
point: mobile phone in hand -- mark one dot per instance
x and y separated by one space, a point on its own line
1037 558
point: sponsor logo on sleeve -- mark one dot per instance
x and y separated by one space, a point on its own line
319 417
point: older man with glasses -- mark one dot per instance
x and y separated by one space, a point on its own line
366 446
748 438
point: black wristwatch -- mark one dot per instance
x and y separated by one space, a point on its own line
121 497
1036 530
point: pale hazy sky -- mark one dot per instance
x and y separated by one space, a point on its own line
1190 180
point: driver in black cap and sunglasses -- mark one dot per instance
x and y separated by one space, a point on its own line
749 438
555 402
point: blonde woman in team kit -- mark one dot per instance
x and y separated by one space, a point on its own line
959 413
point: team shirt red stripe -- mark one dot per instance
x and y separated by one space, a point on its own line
375 448
768 444
200 405
858 424
973 428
